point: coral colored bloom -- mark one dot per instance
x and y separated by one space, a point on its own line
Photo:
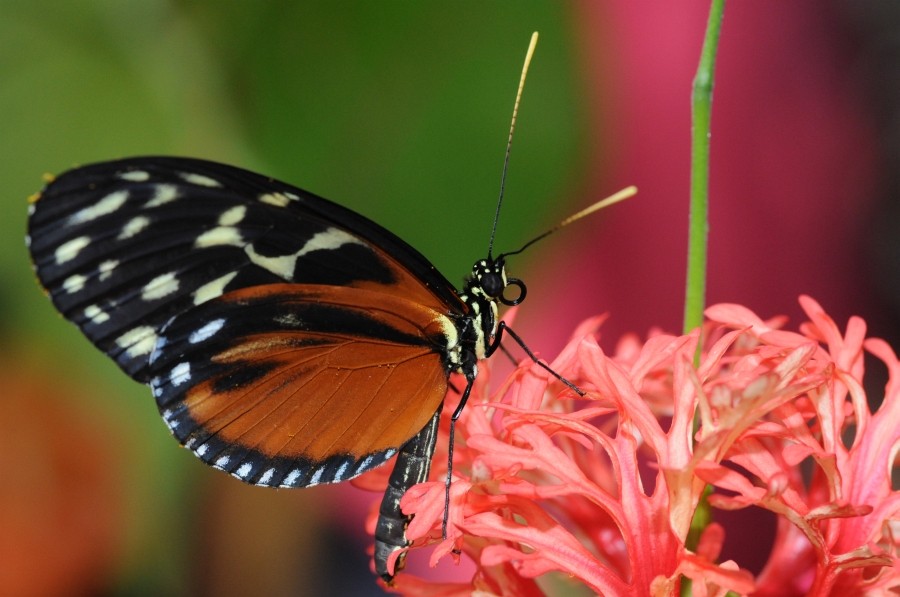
603 489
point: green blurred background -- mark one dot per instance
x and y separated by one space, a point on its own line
397 110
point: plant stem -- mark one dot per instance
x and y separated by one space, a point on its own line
701 108
695 285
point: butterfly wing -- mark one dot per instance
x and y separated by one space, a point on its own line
293 341
123 246
295 385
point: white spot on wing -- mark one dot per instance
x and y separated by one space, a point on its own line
181 373
277 199
201 451
365 464
74 283
200 179
331 238
233 215
207 331
222 461
291 478
134 226
266 477
107 267
223 235
137 341
288 320
135 176
244 470
159 287
212 289
69 250
284 265
314 480
107 205
339 475
160 345
96 314
164 194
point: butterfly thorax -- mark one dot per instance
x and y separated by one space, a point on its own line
482 293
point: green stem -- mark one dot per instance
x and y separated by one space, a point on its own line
701 108
695 286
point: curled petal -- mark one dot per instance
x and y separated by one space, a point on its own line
543 545
716 579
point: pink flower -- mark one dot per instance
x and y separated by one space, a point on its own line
602 490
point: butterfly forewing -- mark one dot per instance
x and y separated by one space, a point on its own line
122 247
299 384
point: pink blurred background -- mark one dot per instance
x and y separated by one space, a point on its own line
798 186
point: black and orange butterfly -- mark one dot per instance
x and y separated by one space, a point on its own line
287 340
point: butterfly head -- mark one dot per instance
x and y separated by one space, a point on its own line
490 281
485 289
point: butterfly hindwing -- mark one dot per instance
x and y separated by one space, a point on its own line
122 247
293 385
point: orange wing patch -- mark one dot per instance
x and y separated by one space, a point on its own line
322 396
288 373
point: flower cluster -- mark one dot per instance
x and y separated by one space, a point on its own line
602 489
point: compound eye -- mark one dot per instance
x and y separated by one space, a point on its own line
492 284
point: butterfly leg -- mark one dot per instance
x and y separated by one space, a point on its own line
413 462
501 328
509 355
462 402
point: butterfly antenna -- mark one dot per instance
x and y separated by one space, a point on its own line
620 196
512 128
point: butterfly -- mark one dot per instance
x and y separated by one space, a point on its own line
287 340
